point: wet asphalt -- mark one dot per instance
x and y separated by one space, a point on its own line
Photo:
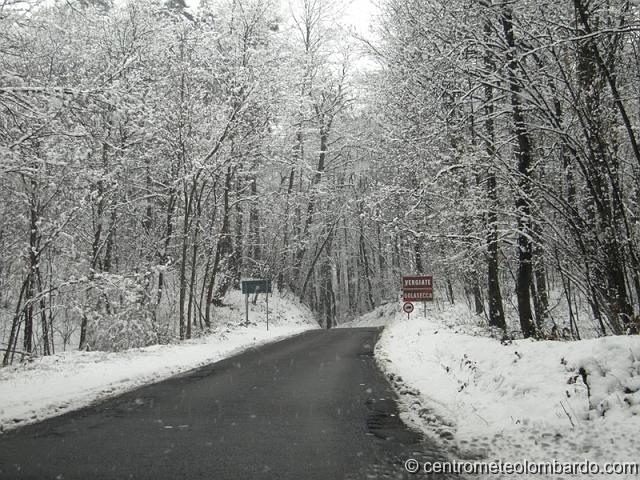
314 406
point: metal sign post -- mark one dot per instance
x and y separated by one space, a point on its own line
267 311
246 309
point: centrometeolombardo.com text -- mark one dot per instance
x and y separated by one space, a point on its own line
523 467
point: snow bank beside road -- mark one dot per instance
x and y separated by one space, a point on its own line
53 385
532 400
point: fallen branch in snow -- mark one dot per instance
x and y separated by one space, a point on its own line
478 415
568 416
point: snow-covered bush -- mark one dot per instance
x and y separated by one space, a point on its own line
125 319
126 329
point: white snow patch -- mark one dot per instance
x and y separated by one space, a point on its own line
49 386
513 400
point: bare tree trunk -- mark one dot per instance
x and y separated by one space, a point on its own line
477 297
15 326
325 128
236 260
523 206
194 256
450 291
46 345
539 285
327 297
185 327
254 229
285 234
33 272
319 251
207 269
224 249
365 263
496 311
344 269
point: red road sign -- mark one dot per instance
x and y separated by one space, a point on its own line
407 307
417 288
417 297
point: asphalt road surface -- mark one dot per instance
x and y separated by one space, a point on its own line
310 407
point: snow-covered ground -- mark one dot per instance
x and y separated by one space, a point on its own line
53 385
516 400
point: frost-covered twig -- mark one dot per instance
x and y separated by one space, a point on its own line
568 416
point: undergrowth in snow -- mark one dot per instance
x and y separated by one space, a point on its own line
493 399
52 385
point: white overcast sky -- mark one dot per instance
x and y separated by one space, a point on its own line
358 12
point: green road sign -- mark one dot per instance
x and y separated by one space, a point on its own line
255 286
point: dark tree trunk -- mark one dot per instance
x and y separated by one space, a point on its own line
110 244
46 345
477 298
224 250
236 261
15 326
207 274
496 312
185 329
367 273
194 255
540 296
254 227
450 291
523 206
285 235
328 239
327 300
325 129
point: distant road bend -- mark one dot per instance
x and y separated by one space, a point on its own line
310 407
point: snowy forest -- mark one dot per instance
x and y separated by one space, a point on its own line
152 155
